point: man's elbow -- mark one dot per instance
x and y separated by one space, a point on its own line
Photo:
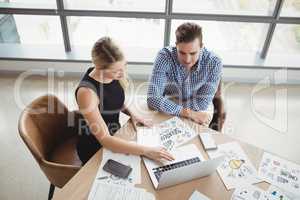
151 102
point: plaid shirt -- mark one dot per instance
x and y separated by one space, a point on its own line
194 89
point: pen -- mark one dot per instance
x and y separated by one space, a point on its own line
103 177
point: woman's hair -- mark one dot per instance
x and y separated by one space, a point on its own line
105 52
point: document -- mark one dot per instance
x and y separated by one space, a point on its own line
104 177
281 173
131 160
249 192
277 194
236 169
198 196
104 191
169 134
123 119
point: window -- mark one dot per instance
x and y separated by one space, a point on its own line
235 42
28 4
117 5
285 46
30 29
233 7
241 32
291 8
139 38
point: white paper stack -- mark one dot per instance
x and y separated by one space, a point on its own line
104 177
104 191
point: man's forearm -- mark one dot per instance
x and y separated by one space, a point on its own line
164 105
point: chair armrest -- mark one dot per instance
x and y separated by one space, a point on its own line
219 114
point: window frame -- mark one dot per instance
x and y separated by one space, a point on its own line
168 15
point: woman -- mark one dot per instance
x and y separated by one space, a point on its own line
100 98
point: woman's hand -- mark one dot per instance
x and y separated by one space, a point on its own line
158 154
138 121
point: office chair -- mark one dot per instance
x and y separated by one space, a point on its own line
43 126
219 115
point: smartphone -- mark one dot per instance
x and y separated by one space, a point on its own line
208 141
117 169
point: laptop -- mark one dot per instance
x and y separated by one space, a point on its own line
188 165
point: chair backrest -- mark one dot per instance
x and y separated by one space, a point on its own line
43 125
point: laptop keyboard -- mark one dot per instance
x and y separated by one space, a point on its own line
159 170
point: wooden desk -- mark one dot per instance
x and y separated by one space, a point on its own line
212 186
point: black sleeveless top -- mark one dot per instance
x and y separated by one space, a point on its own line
111 99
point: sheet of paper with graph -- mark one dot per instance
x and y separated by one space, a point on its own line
169 134
236 169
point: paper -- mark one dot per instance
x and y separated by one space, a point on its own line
123 119
236 169
126 159
198 196
148 137
104 177
105 191
281 173
277 194
170 134
249 192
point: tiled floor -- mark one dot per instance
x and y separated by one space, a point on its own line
251 117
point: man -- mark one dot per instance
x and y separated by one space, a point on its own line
189 73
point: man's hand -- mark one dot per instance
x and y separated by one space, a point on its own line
197 116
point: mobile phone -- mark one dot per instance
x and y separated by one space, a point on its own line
207 141
117 169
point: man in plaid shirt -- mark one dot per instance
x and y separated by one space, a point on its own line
185 77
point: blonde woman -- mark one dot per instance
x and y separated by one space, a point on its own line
100 98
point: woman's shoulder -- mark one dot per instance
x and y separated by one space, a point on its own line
85 94
85 91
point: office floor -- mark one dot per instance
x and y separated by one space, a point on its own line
268 118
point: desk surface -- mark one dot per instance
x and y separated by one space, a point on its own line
212 186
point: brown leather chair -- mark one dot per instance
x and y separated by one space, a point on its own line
219 115
43 126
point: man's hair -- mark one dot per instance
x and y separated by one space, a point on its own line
188 32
